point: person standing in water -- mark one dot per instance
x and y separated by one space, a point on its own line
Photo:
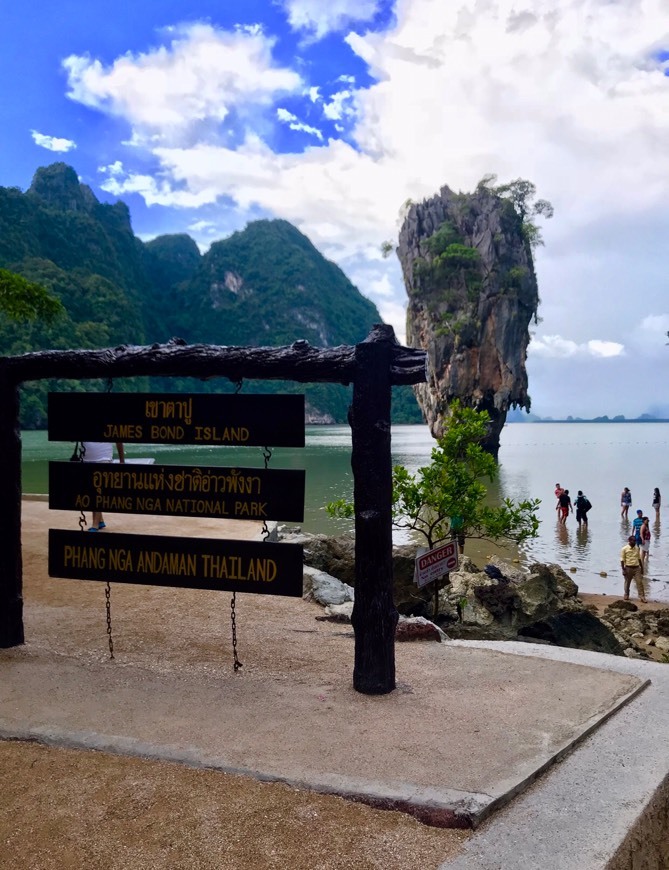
644 547
558 492
564 505
625 502
657 501
582 507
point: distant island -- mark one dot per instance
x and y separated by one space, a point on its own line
519 416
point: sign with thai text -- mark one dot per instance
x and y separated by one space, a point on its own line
189 563
435 563
196 418
176 490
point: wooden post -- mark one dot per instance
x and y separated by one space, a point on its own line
374 613
11 599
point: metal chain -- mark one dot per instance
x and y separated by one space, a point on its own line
233 601
110 639
233 619
109 625
80 458
267 455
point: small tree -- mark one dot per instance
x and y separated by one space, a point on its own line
22 300
521 193
447 497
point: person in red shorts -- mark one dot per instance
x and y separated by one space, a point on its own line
564 506
558 492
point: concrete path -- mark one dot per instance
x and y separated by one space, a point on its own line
604 806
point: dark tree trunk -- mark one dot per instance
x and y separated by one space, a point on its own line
374 613
11 569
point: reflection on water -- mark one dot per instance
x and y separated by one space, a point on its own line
591 457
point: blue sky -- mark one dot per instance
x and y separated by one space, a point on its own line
204 115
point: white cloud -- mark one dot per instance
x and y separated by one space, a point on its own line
319 17
188 87
52 143
115 168
568 94
202 226
557 347
287 117
605 349
339 105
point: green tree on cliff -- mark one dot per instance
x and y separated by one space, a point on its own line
521 193
448 497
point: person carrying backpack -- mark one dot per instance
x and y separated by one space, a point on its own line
582 507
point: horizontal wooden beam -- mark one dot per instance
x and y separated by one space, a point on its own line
296 362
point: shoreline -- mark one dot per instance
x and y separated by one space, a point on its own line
594 598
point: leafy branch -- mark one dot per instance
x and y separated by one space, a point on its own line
447 497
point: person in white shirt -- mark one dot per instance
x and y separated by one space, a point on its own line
97 451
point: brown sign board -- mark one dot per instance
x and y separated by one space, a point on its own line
187 563
181 418
178 490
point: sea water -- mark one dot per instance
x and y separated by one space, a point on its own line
599 458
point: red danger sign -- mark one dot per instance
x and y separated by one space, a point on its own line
435 563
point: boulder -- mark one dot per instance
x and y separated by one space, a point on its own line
662 643
500 599
333 554
564 585
537 595
417 628
575 631
323 588
508 596
512 572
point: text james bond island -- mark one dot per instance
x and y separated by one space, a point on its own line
198 418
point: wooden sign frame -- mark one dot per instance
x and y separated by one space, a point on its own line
373 366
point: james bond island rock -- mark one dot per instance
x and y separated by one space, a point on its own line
469 275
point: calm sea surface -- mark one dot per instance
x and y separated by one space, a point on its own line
598 458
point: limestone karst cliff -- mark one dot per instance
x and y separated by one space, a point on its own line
469 275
